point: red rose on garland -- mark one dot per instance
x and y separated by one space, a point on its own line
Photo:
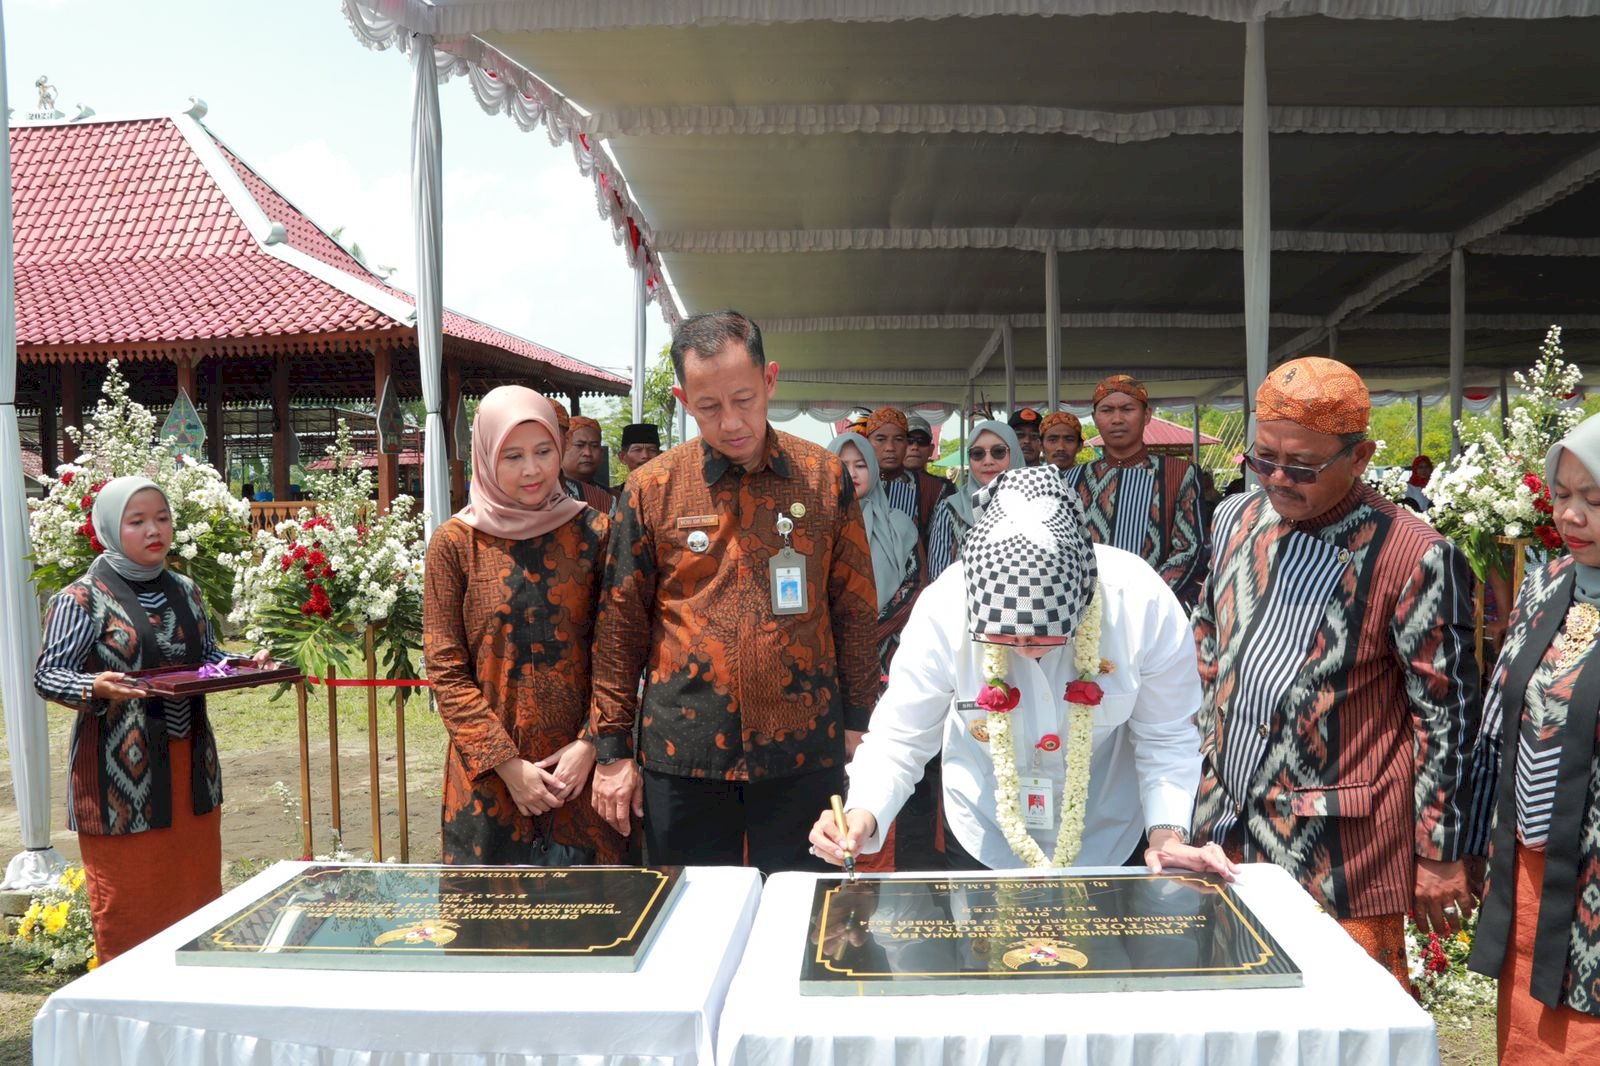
1085 692
997 700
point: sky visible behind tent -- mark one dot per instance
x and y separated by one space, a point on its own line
328 122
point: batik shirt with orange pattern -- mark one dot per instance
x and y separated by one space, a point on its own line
733 691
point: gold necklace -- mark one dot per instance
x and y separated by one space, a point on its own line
1583 622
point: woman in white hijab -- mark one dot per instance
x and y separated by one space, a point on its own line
145 782
1536 787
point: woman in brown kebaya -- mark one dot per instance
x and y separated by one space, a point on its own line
512 583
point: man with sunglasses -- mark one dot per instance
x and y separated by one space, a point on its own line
1143 503
1335 640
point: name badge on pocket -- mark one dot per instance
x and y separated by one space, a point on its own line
787 574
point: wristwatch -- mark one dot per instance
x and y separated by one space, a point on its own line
1183 833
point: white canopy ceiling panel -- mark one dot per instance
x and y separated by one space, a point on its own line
877 181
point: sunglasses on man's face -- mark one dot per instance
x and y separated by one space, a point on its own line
1298 475
978 455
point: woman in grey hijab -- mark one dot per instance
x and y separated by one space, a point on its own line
146 787
1536 787
991 448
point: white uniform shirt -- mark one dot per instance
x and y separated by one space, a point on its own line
1146 760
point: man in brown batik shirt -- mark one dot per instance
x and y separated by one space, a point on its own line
746 711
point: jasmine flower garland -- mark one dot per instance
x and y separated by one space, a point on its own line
999 698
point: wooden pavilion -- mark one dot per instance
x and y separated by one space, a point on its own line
149 242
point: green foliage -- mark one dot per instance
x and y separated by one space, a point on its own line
660 407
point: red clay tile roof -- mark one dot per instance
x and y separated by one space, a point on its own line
123 236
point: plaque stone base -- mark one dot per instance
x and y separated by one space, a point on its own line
382 917
1053 933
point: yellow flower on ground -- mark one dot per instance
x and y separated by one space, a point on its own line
72 877
94 960
55 919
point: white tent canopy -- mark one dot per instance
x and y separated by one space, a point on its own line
883 184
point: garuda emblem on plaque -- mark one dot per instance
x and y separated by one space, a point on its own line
441 933
1043 952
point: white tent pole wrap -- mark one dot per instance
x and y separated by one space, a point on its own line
427 210
27 732
1458 341
1009 349
1257 220
1052 328
639 299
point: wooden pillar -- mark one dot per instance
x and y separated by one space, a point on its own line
575 402
49 428
282 428
71 407
388 465
186 377
216 442
452 404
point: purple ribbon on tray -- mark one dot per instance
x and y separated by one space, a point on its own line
215 670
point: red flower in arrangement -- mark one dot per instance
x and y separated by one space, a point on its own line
1085 692
1548 534
998 700
86 504
1541 493
318 604
1434 957
87 531
318 522
1049 742
66 479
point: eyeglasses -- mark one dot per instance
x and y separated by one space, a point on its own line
1298 475
999 451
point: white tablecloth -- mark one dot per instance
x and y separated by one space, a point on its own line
143 1009
1350 1011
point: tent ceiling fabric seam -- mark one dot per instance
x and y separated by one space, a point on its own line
1111 127
1398 279
1035 239
381 20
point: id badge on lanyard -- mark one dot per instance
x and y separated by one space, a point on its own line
786 573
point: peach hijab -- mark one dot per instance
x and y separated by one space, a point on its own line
490 510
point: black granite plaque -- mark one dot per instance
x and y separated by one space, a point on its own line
1058 933
380 917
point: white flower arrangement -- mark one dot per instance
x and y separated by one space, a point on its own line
1088 665
119 438
1496 487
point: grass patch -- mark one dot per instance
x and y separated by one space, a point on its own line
22 993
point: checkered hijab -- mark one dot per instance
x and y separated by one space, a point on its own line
1029 564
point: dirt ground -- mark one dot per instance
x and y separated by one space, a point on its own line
257 824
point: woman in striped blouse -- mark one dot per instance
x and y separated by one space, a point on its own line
146 787
1536 788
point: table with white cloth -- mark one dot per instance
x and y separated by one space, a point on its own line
1349 1011
144 1009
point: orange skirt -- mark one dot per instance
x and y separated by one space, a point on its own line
1530 1032
1382 936
140 883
